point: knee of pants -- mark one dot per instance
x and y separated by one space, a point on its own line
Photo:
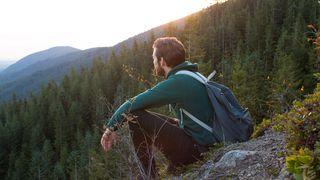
138 116
139 113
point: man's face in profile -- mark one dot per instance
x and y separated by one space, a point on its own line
158 70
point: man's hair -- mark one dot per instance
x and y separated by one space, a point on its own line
171 49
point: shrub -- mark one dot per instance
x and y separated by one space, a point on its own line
302 127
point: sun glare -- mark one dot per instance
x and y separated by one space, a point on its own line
33 25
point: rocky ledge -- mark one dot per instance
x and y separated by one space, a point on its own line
259 158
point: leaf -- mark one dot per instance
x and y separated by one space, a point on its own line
311 27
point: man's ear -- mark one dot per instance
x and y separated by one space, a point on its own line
163 62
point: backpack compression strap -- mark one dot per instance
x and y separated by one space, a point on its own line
203 80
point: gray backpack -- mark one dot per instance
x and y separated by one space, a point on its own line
231 123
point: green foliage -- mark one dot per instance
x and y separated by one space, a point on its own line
258 49
260 128
301 164
302 127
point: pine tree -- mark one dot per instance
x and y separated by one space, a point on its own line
59 172
47 158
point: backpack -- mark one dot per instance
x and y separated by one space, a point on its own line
231 122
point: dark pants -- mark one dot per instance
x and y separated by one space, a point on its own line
149 130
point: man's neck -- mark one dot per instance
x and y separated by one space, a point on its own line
166 70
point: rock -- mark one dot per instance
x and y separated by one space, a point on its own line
236 158
259 158
284 174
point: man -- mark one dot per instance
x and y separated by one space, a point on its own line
181 141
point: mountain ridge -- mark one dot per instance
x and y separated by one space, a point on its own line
37 73
4 63
37 57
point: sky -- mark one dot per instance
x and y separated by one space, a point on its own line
28 26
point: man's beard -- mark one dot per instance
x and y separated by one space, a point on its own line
159 71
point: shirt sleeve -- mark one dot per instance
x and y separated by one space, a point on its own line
165 92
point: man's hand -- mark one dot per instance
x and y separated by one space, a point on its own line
107 139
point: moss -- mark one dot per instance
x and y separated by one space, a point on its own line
259 129
273 171
281 154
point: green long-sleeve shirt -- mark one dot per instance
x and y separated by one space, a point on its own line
181 91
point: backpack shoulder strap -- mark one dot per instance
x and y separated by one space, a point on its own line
203 80
195 75
196 120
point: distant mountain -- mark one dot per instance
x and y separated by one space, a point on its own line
26 66
29 73
5 63
37 57
31 78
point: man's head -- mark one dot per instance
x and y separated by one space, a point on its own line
167 53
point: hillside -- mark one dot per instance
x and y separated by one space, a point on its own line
259 158
5 63
32 77
286 146
259 48
29 73
23 63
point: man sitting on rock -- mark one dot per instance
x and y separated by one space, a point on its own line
181 140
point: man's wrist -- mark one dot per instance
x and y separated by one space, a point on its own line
110 128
